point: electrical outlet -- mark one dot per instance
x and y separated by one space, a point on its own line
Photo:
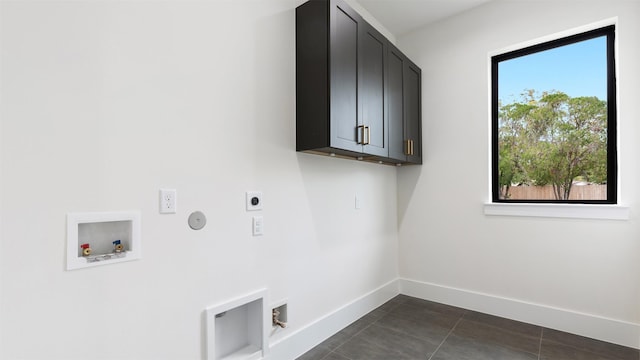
254 200
168 201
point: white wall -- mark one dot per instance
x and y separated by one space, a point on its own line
581 266
103 103
372 20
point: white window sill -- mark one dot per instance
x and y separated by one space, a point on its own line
573 211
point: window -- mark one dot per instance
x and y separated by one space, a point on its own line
554 121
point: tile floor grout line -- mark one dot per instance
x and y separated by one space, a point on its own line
357 333
376 321
333 351
446 337
352 336
540 344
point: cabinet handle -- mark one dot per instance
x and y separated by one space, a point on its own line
364 135
409 150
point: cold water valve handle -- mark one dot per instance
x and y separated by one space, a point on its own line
117 246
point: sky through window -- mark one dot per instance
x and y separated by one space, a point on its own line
579 69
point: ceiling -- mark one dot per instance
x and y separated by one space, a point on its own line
402 16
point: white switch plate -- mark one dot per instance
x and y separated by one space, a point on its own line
254 200
168 201
258 225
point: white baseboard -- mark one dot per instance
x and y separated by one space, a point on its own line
592 326
304 339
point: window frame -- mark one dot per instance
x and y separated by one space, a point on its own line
609 31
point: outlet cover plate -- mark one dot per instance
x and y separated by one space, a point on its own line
254 200
168 201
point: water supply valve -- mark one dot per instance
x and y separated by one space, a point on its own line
86 249
117 246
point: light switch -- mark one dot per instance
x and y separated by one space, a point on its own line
258 225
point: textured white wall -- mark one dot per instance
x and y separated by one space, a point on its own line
584 266
103 103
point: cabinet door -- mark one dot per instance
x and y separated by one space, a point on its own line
344 76
395 101
373 131
404 106
413 111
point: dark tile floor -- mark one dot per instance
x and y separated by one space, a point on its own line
410 328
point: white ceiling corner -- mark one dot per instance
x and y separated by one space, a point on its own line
403 16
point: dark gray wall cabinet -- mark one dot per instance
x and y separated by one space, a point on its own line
356 94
